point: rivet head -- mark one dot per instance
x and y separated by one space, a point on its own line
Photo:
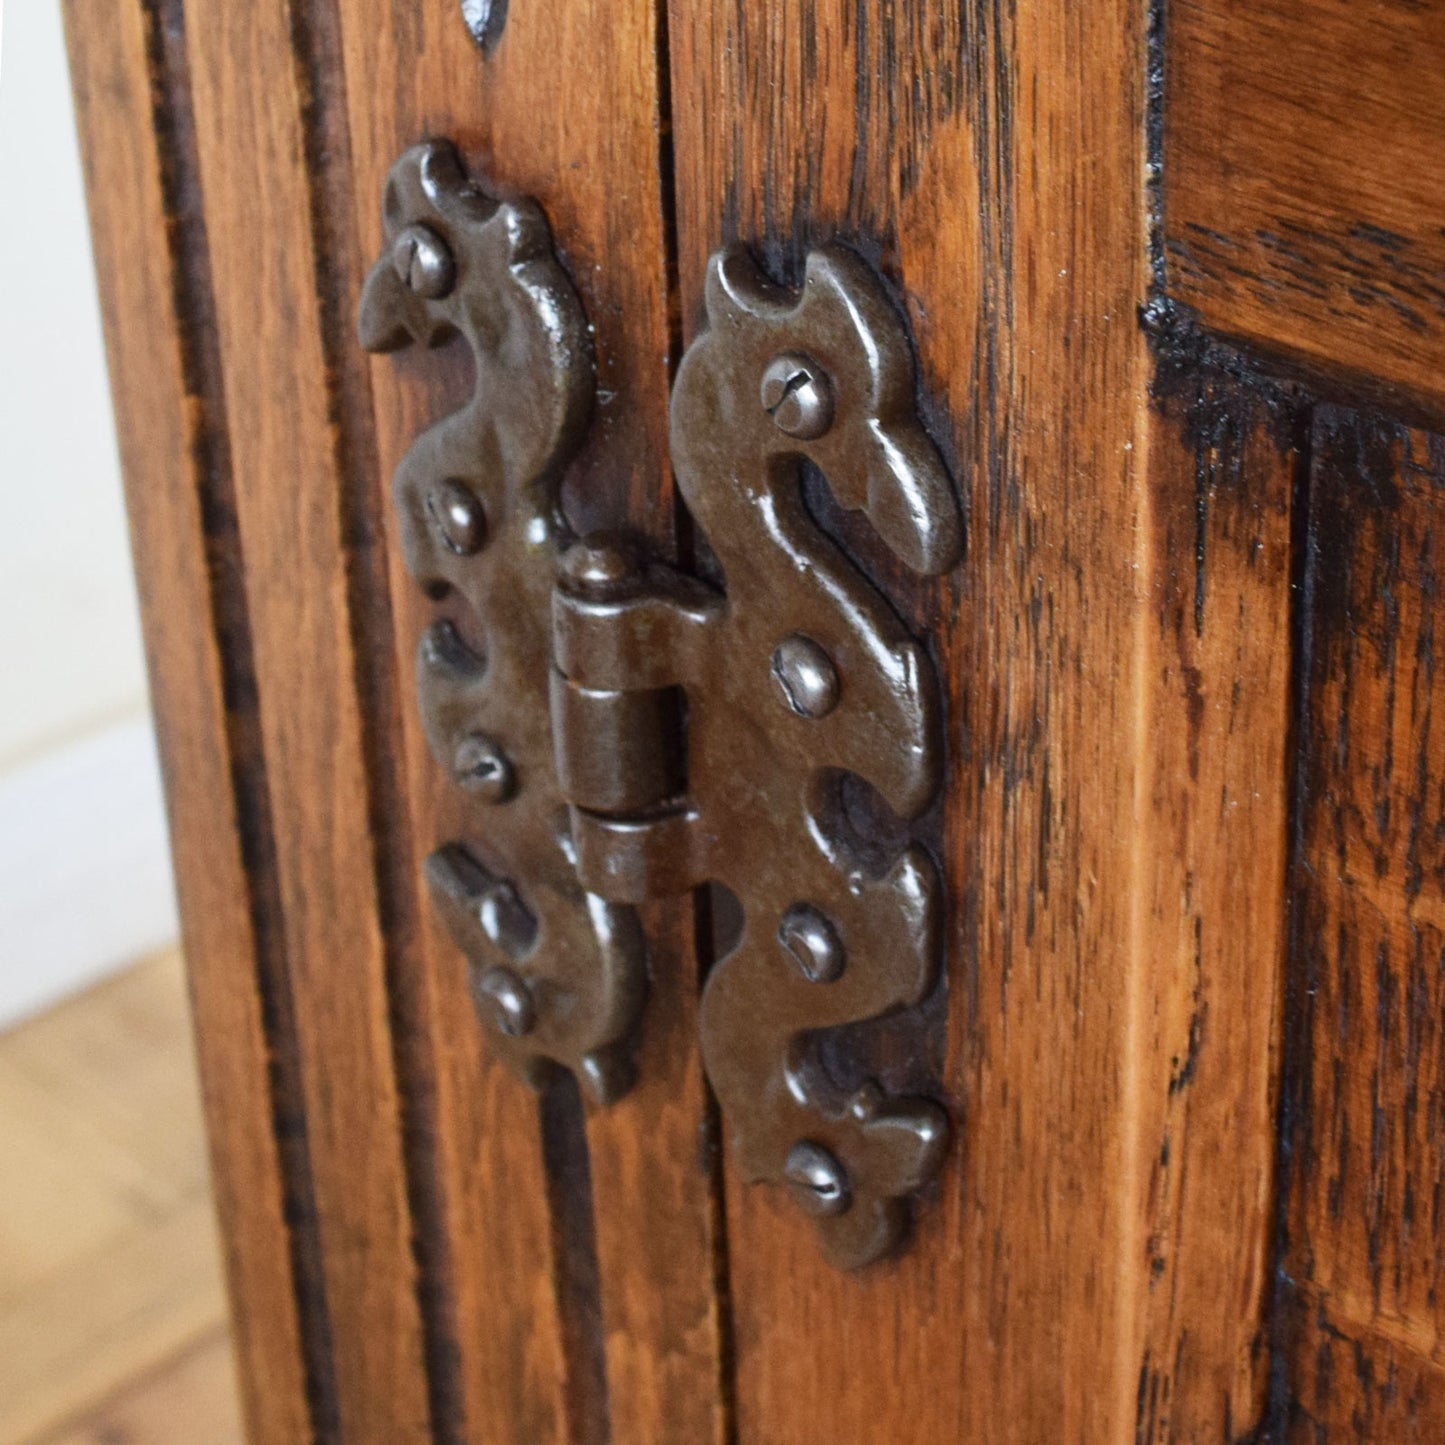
481 767
457 514
424 261
809 936
818 1181
798 396
806 675
508 1001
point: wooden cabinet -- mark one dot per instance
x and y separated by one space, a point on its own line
1175 281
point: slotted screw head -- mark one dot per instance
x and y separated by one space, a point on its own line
808 934
508 1000
798 396
806 675
458 515
424 261
481 767
506 920
818 1181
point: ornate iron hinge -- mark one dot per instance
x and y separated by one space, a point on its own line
631 732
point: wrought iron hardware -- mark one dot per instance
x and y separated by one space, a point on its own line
630 732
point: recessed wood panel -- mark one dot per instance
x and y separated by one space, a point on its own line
1302 185
1367 1096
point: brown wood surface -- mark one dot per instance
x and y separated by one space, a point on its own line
1303 188
608 1260
419 1248
1366 1247
282 363
1094 1264
133 128
1216 740
460 1279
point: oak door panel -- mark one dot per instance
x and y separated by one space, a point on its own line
139 162
1114 651
283 364
596 1233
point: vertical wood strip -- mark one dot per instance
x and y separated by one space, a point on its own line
1222 472
565 108
251 104
133 112
1063 1284
1365 1337
320 79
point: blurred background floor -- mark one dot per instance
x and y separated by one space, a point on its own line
112 1321
112 1311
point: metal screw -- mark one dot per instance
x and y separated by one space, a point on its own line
798 396
808 934
806 675
506 920
482 767
818 1181
507 999
458 516
424 261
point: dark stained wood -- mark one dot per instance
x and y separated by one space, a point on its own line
1222 470
133 137
1366 1244
279 344
1352 1383
1094 1264
565 109
1303 193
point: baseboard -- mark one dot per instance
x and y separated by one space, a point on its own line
85 872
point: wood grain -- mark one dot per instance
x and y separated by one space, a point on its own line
616 1281
183 534
1368 1078
1093 1264
279 344
1302 191
1223 467
1351 1383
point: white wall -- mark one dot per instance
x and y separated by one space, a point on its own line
84 884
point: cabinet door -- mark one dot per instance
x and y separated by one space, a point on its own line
1303 196
1175 292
